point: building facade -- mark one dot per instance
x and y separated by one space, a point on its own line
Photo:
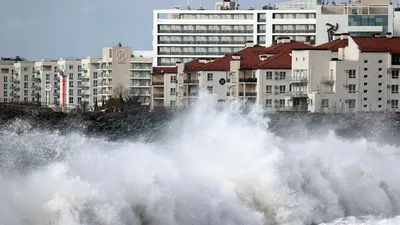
141 68
6 72
184 34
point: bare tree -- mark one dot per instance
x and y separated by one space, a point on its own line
125 96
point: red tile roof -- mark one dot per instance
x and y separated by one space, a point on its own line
282 60
196 64
334 45
378 44
162 70
250 57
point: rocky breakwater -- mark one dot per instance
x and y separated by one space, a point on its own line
140 123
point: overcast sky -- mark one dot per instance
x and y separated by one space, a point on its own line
38 29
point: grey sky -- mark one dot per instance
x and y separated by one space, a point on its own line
60 28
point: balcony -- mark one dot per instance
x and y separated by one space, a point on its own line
292 108
327 80
15 88
83 86
158 83
293 31
158 95
297 79
248 80
14 95
36 87
247 94
191 81
36 79
15 81
297 94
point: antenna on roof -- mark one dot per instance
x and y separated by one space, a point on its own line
188 4
201 4
237 4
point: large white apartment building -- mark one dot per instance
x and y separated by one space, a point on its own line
141 66
184 34
47 73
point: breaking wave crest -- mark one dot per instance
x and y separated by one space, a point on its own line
212 166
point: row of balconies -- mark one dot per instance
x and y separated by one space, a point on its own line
208 31
193 53
203 42
294 31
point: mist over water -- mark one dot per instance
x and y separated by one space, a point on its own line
211 166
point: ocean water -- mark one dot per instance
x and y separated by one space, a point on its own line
211 166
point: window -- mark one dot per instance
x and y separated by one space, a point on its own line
365 91
172 103
365 76
365 84
282 75
26 77
379 99
395 89
379 91
5 86
380 69
380 76
379 106
71 76
352 74
268 103
5 79
395 74
209 77
379 84
365 106
5 93
282 89
282 102
71 100
352 103
325 103
210 89
269 75
365 69
379 61
71 91
395 104
95 75
47 76
352 88
25 92
365 99
173 91
268 89
71 84
71 67
365 61
173 79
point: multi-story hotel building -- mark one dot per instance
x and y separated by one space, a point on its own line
184 34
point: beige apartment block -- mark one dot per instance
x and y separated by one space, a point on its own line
6 82
76 85
141 66
46 71
23 82
90 70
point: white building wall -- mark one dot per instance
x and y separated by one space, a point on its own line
76 94
396 23
171 90
273 88
213 85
